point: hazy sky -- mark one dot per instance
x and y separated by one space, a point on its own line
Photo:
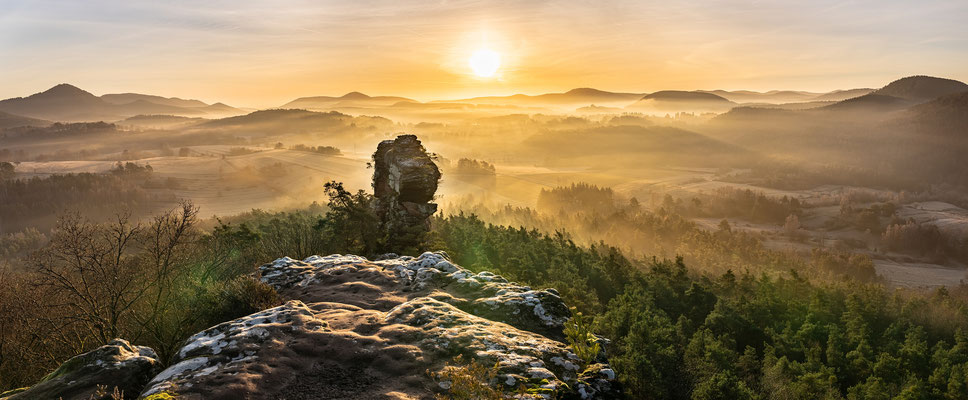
265 53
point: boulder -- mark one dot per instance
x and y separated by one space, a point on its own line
239 347
96 374
393 280
386 328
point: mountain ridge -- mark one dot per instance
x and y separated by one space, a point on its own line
68 103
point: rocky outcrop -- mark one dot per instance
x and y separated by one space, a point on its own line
404 182
96 374
362 329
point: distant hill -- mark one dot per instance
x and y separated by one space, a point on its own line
351 99
946 115
594 109
788 97
629 144
682 101
126 98
295 121
144 107
872 102
754 115
145 104
900 94
679 95
68 103
841 95
8 120
571 98
887 134
159 121
773 96
222 109
922 88
805 105
63 102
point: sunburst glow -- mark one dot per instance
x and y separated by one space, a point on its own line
485 62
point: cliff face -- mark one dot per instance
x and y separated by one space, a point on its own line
362 329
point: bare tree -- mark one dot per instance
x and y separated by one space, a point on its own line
108 275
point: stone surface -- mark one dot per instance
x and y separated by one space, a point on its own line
362 329
116 364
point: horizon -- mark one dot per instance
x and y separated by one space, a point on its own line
427 100
250 55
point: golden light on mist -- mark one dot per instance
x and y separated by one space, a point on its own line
485 62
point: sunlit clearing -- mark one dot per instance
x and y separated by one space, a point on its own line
485 62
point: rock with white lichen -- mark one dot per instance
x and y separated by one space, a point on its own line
356 328
97 374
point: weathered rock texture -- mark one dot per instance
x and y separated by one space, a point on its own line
404 182
362 329
116 364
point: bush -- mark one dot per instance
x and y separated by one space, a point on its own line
468 381
228 300
580 337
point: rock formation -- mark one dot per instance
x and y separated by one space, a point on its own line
362 329
95 374
404 182
356 329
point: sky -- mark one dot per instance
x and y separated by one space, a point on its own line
266 53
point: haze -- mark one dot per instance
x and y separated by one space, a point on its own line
260 54
749 201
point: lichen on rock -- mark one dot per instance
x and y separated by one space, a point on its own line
356 328
232 345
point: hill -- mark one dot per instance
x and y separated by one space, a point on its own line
351 99
682 101
222 109
922 88
632 144
296 121
159 121
872 102
63 102
773 96
8 120
946 116
145 107
595 109
841 95
126 98
571 98
899 95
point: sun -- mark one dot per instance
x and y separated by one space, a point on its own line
485 62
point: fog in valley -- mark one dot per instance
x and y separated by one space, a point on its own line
872 179
151 218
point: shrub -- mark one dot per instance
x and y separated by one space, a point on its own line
467 381
228 300
580 337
